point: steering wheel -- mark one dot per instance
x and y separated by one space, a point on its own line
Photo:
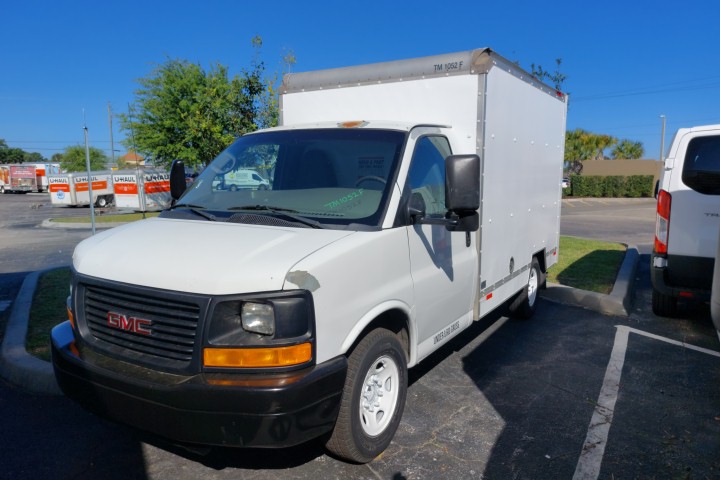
370 178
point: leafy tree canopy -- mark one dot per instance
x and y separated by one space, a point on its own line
184 112
628 150
73 159
581 145
18 155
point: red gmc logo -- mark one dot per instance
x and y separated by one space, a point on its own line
129 324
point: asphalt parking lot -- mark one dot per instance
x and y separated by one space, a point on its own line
571 393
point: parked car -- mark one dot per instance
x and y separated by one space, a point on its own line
688 219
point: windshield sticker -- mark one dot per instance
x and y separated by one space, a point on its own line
347 198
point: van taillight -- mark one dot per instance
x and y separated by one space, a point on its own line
662 223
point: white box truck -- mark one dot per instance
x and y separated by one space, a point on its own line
72 189
406 200
142 190
688 220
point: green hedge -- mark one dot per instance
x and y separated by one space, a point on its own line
633 186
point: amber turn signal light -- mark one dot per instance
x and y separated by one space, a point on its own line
257 357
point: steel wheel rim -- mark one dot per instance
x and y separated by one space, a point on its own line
379 396
532 287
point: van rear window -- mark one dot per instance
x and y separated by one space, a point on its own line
701 169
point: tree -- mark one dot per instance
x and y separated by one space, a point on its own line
183 112
581 145
555 78
33 157
73 159
628 150
56 158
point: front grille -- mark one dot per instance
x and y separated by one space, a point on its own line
171 323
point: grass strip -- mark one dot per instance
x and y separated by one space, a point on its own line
590 265
48 309
125 217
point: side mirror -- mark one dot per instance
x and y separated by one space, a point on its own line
177 179
462 183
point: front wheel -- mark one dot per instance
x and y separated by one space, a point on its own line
525 304
373 398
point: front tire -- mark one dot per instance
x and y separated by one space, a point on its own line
525 303
373 398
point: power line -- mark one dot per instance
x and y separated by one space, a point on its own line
685 85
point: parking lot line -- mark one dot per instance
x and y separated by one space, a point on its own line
588 466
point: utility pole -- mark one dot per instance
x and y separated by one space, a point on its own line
89 174
662 139
112 145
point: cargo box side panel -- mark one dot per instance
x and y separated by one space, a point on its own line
448 100
521 187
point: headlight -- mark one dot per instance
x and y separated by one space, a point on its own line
261 320
258 318
269 330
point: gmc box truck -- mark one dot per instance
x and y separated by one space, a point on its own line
405 200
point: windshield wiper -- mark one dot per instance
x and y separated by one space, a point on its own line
196 209
285 212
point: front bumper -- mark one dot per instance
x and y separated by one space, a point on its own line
274 410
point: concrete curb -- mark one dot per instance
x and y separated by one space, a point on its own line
35 375
620 300
16 365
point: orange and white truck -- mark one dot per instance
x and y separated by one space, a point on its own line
142 190
72 189
17 178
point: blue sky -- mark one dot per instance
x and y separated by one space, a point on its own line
626 62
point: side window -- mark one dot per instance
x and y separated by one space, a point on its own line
427 174
701 169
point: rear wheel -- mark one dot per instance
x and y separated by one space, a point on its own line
101 202
524 305
373 398
664 305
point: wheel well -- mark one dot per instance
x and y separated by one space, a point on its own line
541 260
394 320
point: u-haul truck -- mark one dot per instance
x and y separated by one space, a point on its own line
72 189
17 178
406 200
142 190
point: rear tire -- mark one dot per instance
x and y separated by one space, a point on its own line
664 305
373 398
101 202
525 303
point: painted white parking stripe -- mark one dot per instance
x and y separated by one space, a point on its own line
588 466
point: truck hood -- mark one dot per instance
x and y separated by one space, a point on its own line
198 256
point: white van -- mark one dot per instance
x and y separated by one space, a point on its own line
408 199
688 219
242 178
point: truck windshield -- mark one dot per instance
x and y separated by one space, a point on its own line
336 177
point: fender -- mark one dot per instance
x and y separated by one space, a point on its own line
374 313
